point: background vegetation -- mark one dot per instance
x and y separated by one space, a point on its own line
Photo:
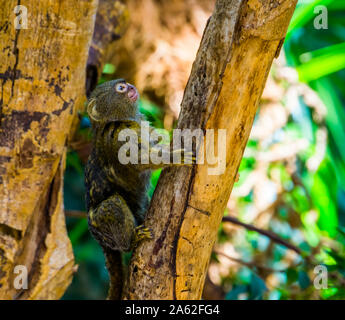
292 178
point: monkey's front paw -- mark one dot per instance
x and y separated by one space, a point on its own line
188 157
142 233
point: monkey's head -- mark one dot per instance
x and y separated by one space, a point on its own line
114 100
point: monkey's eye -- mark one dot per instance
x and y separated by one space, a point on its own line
121 87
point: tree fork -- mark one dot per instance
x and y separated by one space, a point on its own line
240 41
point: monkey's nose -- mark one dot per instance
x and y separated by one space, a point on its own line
133 94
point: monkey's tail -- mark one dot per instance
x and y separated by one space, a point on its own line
115 270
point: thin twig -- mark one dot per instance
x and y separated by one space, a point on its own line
249 264
75 214
273 236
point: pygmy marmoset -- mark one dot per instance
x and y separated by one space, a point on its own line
116 194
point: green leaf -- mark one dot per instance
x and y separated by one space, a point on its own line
154 180
328 293
78 231
109 69
152 113
324 196
292 275
341 229
335 120
303 280
73 161
257 287
304 13
236 291
300 200
340 260
322 62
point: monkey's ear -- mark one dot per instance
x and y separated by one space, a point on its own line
92 111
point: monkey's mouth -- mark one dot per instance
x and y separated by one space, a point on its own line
133 94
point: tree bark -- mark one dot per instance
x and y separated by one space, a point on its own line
239 44
111 23
42 78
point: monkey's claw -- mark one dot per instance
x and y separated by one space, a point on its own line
142 233
188 157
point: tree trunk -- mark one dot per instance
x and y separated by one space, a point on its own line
227 79
43 86
42 77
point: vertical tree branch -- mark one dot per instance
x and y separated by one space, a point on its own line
239 44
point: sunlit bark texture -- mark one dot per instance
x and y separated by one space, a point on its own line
227 79
42 86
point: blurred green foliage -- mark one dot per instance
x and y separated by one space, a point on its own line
319 58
